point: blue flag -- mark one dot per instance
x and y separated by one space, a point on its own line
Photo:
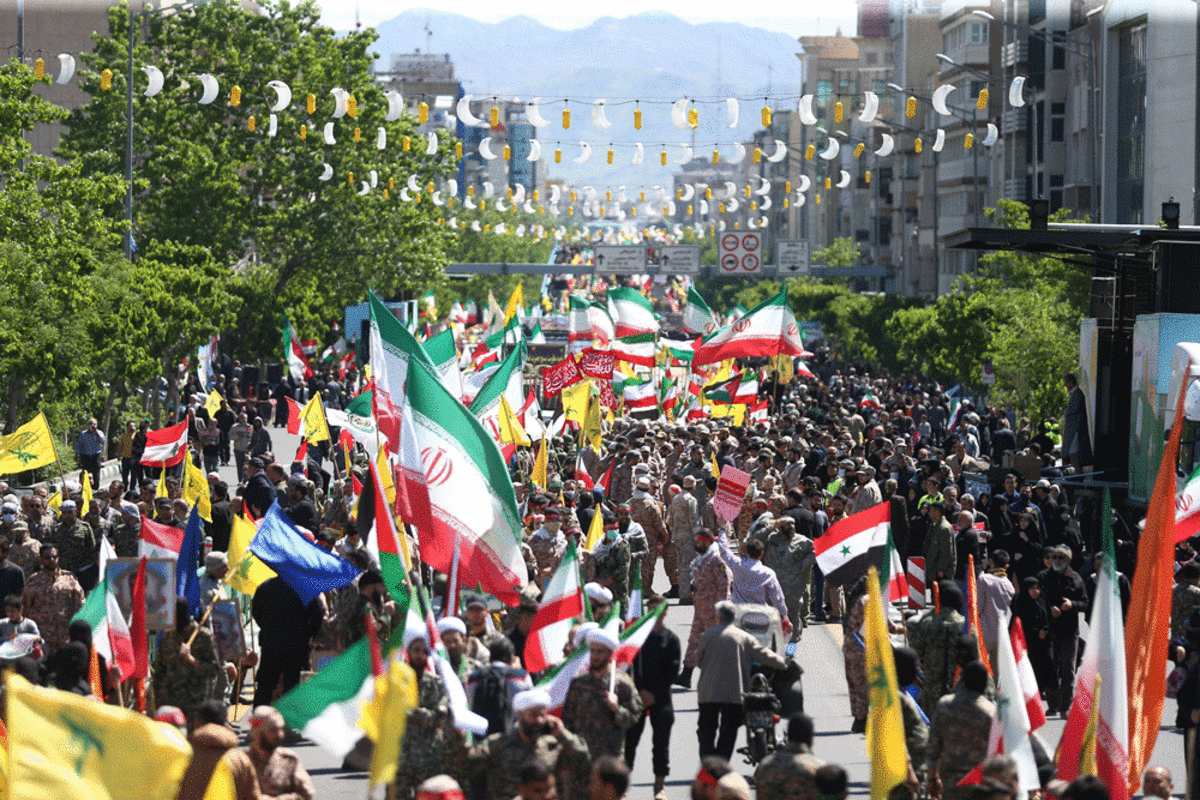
302 564
187 582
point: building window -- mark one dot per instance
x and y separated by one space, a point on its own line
979 33
1131 123
1058 121
1058 58
1056 192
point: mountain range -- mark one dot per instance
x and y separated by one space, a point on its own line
652 57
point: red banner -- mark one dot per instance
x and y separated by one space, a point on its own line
607 398
597 363
558 377
731 492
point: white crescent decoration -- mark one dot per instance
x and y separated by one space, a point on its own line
703 208
739 153
485 148
801 200
686 155
283 95
469 203
688 193
938 101
404 195
436 197
888 145
992 135
463 109
731 112
534 115
555 194
210 88
518 194
585 152
764 188
730 188
679 114
805 110
535 150
395 105
762 222
66 68
765 205
381 138
501 206
845 180
155 77
326 173
273 126
431 144
489 189
475 226
1016 91
598 118
528 208
374 179
366 189
340 101
671 208
731 205
500 228
720 226
521 230
453 222
639 153
329 134
452 187
939 140
780 152
804 184
412 184
831 152
870 107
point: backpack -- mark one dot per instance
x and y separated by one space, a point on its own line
492 701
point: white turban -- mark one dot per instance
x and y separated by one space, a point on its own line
451 624
598 594
531 698
603 637
582 631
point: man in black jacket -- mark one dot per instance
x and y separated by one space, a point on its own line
1066 599
260 492
286 628
654 670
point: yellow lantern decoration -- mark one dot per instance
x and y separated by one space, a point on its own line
633 211
664 211
535 195
495 117
758 155
610 155
766 116
558 155
572 195
858 150
662 158
708 193
350 178
716 156
303 132
357 135
693 117
570 211
471 191
351 107
417 198
722 208
422 112
968 141
809 152
541 209
507 152
787 187
608 196
817 198
917 145
712 230
910 107
753 205
566 118
251 124
405 143
689 210
642 197
867 177
449 202
106 80
838 111
982 102
39 69
737 226
828 184
785 204
747 190
391 183
458 150
602 211
637 119
310 104
483 205
385 197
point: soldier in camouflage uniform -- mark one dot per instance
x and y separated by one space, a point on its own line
711 581
611 558
787 773
185 675
601 716
74 538
683 520
538 737
1185 597
935 638
431 744
647 512
958 735
791 556
25 549
854 652
373 600
548 544
41 523
51 598
128 531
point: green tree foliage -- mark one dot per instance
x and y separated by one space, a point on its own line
843 252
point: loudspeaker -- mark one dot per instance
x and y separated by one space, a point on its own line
249 376
1176 277
274 374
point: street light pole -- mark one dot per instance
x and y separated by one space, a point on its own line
129 140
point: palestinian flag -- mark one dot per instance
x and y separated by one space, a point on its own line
387 546
110 632
507 381
769 329
605 482
740 389
562 602
680 352
293 353
638 348
697 316
859 541
634 314
166 447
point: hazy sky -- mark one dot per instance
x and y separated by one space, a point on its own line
809 16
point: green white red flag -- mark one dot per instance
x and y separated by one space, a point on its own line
293 353
634 314
562 601
769 329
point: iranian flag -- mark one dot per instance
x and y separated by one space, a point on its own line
535 335
561 603
668 394
458 314
581 473
638 348
859 541
1187 508
160 541
393 349
166 447
508 381
586 322
633 637
110 631
634 314
769 329
697 316
444 355
640 396
635 598
630 642
293 353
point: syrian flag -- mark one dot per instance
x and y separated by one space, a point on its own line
697 316
110 631
638 348
859 541
1187 508
561 603
160 541
293 353
634 314
166 447
769 329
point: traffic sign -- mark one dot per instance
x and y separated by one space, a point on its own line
627 259
679 259
989 372
791 256
740 253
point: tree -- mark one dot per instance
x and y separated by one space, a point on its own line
842 252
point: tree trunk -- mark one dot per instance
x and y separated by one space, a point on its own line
106 427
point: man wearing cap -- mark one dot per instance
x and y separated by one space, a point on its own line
536 737
611 560
24 551
128 531
259 492
867 493
621 484
74 538
791 555
548 543
683 520
602 703
216 567
647 512
279 771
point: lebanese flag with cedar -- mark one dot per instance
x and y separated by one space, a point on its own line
166 447
561 603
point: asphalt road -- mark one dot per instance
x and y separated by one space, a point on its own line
825 697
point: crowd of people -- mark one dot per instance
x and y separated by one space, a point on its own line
969 488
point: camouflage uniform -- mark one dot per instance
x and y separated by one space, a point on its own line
683 518
611 564
916 732
547 550
43 529
958 739
792 559
620 487
501 756
25 554
178 683
51 598
1184 599
935 638
586 712
125 539
355 625
431 745
76 545
646 511
787 774
854 652
711 580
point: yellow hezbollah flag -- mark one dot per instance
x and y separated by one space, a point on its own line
511 431
515 302
595 531
72 747
716 468
29 446
575 401
1087 750
55 500
246 571
85 493
885 724
195 489
161 491
385 716
212 404
540 465
221 785
313 415
591 429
